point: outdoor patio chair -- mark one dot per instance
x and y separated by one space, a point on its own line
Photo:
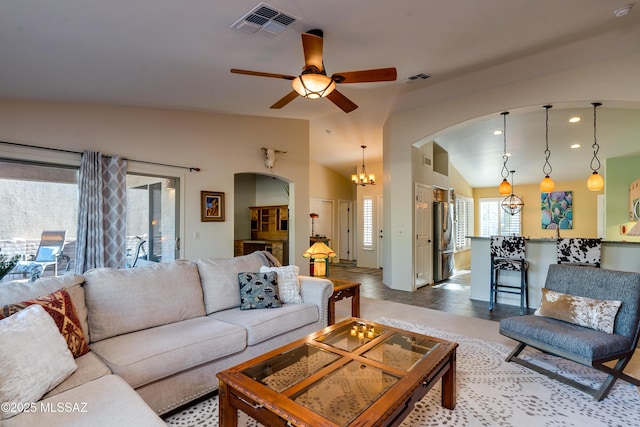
49 254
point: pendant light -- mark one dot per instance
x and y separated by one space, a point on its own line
547 185
361 177
512 204
595 181
505 187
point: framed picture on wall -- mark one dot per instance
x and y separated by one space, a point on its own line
211 206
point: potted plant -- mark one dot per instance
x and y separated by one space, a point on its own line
7 263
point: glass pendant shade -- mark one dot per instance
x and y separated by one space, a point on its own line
547 185
595 182
313 86
505 187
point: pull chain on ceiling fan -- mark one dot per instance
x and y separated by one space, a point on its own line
313 82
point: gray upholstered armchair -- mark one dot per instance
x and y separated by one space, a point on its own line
588 315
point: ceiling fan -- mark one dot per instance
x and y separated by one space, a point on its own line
313 82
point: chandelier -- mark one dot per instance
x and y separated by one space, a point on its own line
361 177
512 204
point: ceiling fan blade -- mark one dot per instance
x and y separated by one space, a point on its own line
366 76
261 74
344 103
312 47
285 99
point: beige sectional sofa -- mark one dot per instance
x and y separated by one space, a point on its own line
158 335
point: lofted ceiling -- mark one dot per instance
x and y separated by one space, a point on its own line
177 55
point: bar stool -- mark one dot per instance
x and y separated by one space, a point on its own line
507 254
579 251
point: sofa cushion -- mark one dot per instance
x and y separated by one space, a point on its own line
58 305
258 290
34 358
105 402
288 283
588 312
120 301
585 343
90 368
219 278
145 356
264 324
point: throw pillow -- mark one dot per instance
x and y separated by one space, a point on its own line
588 312
34 359
258 290
59 306
288 283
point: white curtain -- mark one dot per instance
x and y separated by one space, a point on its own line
102 212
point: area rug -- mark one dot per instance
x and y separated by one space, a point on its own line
491 392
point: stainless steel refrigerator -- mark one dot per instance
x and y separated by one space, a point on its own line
442 241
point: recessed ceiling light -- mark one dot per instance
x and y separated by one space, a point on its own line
575 145
624 10
497 132
574 119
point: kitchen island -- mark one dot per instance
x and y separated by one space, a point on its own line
541 252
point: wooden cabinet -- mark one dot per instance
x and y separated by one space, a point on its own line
269 232
270 222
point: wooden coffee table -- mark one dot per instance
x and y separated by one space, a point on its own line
356 372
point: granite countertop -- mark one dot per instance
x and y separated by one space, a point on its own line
553 239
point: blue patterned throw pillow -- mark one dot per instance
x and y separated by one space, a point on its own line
258 290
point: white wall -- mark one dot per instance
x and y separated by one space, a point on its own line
221 145
612 80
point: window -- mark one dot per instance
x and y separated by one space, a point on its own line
494 221
35 197
367 222
152 216
464 222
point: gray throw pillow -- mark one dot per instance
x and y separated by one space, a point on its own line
258 290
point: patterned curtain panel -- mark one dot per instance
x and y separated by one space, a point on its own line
102 216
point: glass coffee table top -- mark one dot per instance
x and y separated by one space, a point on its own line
290 367
343 394
360 362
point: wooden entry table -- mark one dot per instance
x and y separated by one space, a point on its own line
353 373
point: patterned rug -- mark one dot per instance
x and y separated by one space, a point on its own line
492 392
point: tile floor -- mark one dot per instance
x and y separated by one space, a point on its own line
451 296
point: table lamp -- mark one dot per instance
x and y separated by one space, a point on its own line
319 252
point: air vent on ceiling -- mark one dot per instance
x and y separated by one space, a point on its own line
417 77
266 20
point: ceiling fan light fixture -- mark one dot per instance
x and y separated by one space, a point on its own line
313 86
